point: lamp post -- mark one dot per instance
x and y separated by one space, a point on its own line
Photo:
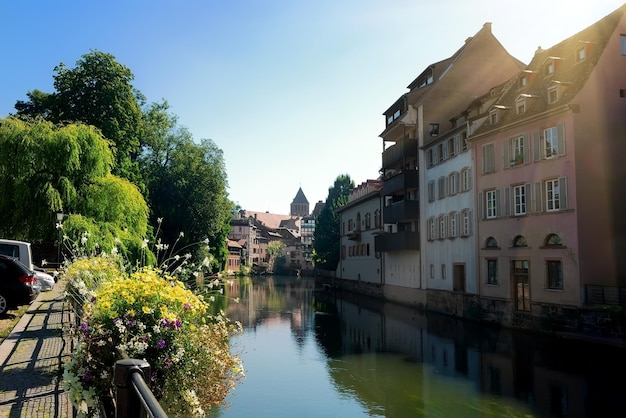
58 225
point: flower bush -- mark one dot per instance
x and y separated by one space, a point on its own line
148 315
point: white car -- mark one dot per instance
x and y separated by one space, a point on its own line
45 280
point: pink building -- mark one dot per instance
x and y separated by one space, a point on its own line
550 178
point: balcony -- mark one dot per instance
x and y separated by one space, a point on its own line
396 154
354 235
408 179
402 211
397 241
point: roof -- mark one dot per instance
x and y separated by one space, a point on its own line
569 76
300 197
270 220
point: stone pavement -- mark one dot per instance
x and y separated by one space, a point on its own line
32 358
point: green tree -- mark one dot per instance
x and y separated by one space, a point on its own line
44 169
275 249
327 232
187 184
96 92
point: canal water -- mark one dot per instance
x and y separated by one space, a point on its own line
310 352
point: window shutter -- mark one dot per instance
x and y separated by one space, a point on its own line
457 144
469 223
526 142
507 154
498 203
459 226
538 196
435 156
560 129
481 204
507 201
562 193
527 188
445 151
469 178
537 145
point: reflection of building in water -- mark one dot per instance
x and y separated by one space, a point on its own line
497 362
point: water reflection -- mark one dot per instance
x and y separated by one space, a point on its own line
316 353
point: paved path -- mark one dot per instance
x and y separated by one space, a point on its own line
32 358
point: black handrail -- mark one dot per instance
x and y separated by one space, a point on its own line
133 397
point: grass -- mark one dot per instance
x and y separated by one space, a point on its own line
9 320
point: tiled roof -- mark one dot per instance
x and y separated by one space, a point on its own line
300 197
568 77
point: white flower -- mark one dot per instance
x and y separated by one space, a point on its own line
159 220
182 234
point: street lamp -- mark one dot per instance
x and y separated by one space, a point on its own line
60 216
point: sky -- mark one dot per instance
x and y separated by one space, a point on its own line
292 91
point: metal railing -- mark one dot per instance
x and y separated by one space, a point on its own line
605 295
133 397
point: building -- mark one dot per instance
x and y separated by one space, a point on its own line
416 120
360 223
550 179
299 205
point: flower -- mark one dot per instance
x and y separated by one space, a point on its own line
150 315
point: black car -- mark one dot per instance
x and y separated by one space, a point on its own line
18 284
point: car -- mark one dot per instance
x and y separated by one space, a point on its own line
18 284
45 280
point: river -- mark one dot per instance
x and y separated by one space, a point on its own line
310 352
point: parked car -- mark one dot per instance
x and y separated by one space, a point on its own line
22 251
45 280
18 284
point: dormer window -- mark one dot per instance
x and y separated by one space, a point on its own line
493 116
581 53
523 80
520 105
551 65
553 94
434 129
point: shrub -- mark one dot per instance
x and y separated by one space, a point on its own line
152 316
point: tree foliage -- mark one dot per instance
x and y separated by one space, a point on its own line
327 224
187 183
44 169
97 92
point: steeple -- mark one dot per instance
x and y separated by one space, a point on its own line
300 204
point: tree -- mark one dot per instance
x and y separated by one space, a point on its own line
96 92
275 249
33 185
187 184
327 232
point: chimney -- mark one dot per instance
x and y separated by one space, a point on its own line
487 26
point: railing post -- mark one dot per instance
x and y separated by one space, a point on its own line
127 403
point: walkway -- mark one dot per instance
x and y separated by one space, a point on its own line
32 358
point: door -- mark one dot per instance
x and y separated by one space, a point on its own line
521 285
458 277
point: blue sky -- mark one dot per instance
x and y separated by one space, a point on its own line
292 91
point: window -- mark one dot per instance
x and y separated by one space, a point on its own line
552 195
553 240
466 182
623 44
431 191
520 198
493 117
453 224
464 141
443 271
549 67
492 271
434 129
581 53
432 232
517 150
550 142
432 271
430 158
523 80
453 183
553 94
442 187
368 220
554 274
377 218
489 158
442 226
452 148
520 242
491 243
491 203
465 223
520 105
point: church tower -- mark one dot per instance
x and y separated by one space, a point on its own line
299 206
